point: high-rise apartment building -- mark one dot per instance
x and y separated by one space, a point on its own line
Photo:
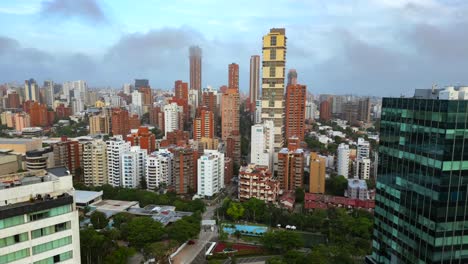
133 167
229 113
172 117
99 124
254 83
421 201
273 75
295 111
256 181
156 117
210 173
362 168
49 92
95 163
116 146
203 124
13 100
364 110
342 166
233 76
317 173
137 103
184 170
22 120
325 110
38 218
39 114
363 148
143 138
291 166
262 144
159 169
31 90
68 153
181 90
120 122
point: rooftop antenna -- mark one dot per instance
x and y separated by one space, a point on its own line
434 87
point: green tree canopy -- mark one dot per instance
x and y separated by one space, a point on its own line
99 220
235 210
144 230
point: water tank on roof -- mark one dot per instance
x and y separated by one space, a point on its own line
449 93
463 93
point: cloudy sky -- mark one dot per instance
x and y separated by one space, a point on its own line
367 47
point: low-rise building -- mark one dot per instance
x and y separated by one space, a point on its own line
256 181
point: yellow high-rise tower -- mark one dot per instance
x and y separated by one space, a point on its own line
273 76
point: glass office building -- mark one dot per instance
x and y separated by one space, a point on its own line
421 202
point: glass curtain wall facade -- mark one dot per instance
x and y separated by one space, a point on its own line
421 201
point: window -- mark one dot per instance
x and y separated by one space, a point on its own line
11 240
50 230
272 71
273 54
273 41
12 221
50 213
51 245
14 256
56 258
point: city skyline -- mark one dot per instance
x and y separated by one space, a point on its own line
380 47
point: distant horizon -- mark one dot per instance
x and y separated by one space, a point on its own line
375 47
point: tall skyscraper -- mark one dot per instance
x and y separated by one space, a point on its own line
262 144
317 173
254 83
295 111
233 76
31 90
38 218
292 77
421 196
273 72
195 56
95 163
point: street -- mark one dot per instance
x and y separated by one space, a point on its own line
189 252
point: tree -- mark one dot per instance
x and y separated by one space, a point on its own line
336 185
99 220
144 230
235 211
159 250
300 194
94 246
122 218
238 234
283 240
255 207
119 256
183 230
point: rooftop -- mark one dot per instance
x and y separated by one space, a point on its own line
356 183
84 197
17 140
31 177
